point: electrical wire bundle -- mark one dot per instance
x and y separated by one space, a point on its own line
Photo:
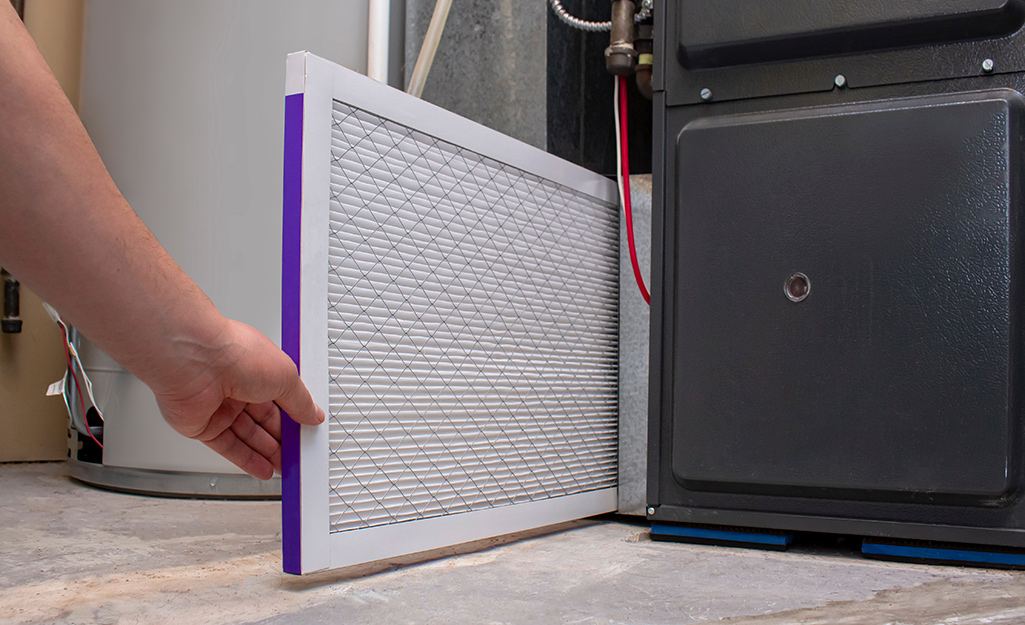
618 110
623 176
74 380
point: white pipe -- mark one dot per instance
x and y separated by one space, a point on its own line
377 40
430 46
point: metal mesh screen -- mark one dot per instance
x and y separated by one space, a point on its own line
472 330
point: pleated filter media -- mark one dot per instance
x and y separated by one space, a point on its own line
469 295
472 330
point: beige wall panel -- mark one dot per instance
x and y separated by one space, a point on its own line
34 426
56 26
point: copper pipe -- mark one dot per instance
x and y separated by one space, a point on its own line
620 56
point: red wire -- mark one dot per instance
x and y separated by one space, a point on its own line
626 191
78 387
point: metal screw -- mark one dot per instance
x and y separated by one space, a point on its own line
647 5
840 80
213 482
987 65
651 511
706 94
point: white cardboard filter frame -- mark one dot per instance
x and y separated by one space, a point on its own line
438 342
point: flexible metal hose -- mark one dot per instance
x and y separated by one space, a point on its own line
594 27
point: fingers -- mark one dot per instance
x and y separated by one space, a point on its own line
296 400
258 439
228 444
233 402
248 436
262 369
221 419
268 416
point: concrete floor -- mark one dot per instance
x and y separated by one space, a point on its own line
73 554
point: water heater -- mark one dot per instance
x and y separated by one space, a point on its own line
183 101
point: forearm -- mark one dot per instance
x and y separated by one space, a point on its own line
66 231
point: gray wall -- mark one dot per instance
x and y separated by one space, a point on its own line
491 64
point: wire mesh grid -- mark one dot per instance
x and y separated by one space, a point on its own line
472 326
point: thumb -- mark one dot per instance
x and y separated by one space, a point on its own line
262 372
296 400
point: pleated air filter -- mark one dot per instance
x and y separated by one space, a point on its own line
450 296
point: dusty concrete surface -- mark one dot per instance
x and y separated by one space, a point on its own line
73 554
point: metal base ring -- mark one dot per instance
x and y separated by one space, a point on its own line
183 484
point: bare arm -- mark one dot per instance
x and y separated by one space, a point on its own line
66 232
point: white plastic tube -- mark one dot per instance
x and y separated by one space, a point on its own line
378 40
429 48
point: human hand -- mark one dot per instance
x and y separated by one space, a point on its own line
215 380
230 397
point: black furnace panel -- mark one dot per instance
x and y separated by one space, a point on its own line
836 338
